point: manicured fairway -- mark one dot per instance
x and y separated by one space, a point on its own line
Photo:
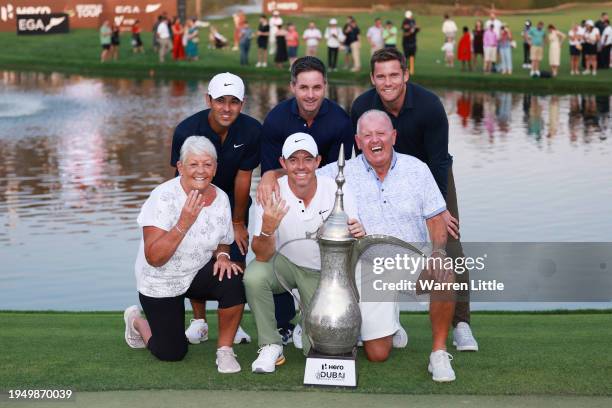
521 354
78 53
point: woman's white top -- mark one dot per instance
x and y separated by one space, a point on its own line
212 227
577 39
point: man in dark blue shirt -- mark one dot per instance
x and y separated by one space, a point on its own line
236 138
422 131
309 111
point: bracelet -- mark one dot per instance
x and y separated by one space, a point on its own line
179 230
265 234
237 222
223 253
440 251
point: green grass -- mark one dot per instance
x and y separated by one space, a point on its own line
78 53
521 354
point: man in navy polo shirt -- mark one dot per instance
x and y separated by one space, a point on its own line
309 111
236 137
422 131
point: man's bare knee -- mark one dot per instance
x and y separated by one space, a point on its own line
378 351
377 355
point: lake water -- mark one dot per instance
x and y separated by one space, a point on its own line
80 155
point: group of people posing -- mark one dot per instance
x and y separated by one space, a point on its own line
494 41
195 226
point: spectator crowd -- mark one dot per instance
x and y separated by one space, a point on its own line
489 44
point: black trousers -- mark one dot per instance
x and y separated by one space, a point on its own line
526 51
166 316
332 57
455 250
603 58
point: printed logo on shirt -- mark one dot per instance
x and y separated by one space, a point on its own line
237 146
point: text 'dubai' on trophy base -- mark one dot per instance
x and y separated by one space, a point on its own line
331 371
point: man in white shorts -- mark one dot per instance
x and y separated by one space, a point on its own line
304 202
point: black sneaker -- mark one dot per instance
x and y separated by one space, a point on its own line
287 335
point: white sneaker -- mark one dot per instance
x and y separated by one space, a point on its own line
440 366
270 356
241 337
226 361
463 339
197 331
586 72
258 65
594 73
265 65
132 337
400 338
297 337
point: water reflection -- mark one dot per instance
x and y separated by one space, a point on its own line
80 155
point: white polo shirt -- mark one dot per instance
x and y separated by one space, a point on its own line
163 31
301 220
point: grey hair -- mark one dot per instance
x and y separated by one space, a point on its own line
373 112
197 145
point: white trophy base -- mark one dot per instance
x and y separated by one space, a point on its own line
331 371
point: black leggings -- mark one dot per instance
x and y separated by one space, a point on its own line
166 316
526 56
332 57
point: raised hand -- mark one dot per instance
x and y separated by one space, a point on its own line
274 212
191 210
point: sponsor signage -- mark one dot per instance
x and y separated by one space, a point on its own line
44 23
88 13
284 6
124 13
330 371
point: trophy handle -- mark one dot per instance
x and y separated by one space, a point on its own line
360 246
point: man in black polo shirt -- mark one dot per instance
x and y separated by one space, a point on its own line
309 111
236 137
422 131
